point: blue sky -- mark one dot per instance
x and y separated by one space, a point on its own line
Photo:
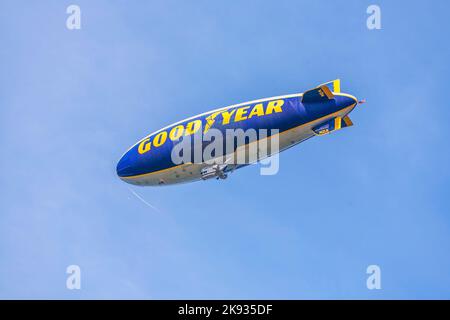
73 101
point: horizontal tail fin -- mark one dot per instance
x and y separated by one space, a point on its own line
319 94
332 125
346 122
322 93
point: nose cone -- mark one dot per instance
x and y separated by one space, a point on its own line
124 166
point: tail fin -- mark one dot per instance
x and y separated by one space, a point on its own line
332 125
346 122
336 85
322 93
319 94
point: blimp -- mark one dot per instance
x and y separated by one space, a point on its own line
182 152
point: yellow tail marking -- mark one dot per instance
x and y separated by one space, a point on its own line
348 121
337 85
325 90
337 123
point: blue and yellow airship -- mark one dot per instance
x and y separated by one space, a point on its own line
290 118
